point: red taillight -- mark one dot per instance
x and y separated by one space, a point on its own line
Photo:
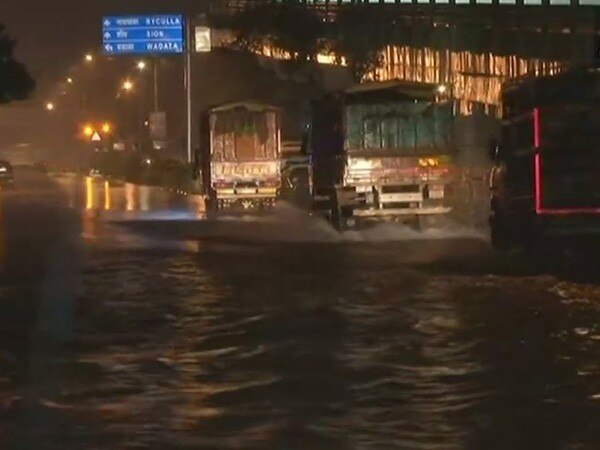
538 183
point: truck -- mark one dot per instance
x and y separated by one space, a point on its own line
545 183
241 162
383 151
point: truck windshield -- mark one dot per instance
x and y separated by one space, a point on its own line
410 128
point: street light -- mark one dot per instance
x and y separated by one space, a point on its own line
141 65
50 106
89 57
106 128
70 80
88 131
127 85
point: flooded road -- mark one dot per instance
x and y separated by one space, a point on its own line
276 332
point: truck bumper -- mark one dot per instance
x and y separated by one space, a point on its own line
390 212
246 197
247 193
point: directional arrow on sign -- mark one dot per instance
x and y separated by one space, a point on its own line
145 34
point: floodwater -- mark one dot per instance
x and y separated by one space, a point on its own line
129 320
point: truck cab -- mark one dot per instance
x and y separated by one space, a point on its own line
241 161
382 151
545 184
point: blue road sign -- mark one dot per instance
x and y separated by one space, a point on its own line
143 35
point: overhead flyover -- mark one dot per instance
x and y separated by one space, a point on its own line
474 46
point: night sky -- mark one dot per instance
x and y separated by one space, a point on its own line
54 34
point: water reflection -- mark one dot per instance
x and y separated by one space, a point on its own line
116 196
107 202
130 196
90 193
323 347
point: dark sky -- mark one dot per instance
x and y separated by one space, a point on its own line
54 34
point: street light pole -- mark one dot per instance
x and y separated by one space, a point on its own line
156 85
188 87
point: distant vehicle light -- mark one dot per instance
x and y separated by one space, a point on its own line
3 169
106 128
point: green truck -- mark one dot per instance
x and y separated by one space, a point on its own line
383 151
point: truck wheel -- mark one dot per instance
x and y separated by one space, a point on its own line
342 219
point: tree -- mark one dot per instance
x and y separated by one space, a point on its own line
289 27
15 81
359 37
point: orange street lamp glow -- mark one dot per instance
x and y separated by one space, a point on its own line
89 57
141 65
50 106
127 86
106 128
88 131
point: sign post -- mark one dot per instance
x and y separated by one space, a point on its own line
203 39
188 89
143 35
158 34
